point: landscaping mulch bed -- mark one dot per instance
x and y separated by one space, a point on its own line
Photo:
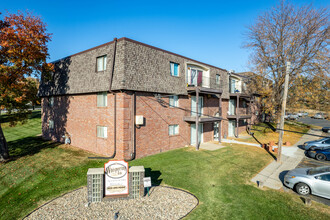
163 203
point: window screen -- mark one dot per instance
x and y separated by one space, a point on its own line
173 129
102 131
174 101
101 63
102 99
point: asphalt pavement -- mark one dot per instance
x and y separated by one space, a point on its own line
316 122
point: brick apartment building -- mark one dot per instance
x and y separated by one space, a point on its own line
125 99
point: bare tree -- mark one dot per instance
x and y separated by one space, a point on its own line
289 33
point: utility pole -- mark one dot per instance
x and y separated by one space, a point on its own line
285 94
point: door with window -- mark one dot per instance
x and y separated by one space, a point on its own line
193 105
232 106
193 134
216 131
231 128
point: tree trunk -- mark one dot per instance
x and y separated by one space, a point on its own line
4 153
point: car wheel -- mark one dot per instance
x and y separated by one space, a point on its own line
320 157
302 189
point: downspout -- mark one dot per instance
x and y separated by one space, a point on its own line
133 107
114 107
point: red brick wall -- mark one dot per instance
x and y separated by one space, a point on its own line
79 116
153 137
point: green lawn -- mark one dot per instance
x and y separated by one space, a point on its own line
263 133
220 179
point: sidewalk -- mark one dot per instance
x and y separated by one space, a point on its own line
273 174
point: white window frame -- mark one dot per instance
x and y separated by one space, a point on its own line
102 60
51 124
174 101
102 132
173 130
172 69
217 79
102 99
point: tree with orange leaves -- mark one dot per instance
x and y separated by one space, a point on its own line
23 54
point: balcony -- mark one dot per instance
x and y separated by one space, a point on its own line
204 116
242 113
245 116
201 119
203 85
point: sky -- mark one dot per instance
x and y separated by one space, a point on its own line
207 31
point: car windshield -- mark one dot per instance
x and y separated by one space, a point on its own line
318 170
323 139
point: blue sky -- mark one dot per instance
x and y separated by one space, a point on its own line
208 31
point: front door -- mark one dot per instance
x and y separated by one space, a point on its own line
193 134
216 131
193 105
232 106
231 128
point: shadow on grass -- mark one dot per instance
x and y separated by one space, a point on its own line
28 146
154 176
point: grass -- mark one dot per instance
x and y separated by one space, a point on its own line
220 179
39 170
264 133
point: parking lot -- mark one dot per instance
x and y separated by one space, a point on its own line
316 122
311 162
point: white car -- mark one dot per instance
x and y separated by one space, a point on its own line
293 117
309 180
319 116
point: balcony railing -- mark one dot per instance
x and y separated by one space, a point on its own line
204 81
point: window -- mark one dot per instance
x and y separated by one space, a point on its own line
173 129
174 101
217 79
102 99
174 69
101 63
325 177
102 132
51 101
51 124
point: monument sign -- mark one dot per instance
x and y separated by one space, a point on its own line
116 178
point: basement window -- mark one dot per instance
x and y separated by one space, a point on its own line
101 63
102 99
173 130
102 131
174 101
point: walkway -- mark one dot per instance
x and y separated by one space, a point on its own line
210 146
273 175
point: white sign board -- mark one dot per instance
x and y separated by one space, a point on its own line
116 177
147 182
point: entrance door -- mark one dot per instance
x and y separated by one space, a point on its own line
231 128
193 133
193 105
216 131
232 106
